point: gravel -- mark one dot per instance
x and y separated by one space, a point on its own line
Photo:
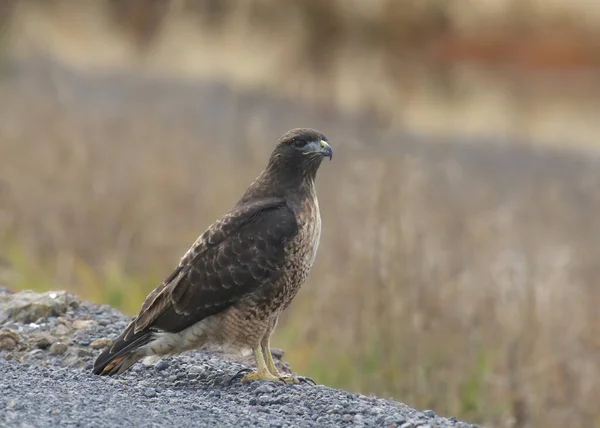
46 381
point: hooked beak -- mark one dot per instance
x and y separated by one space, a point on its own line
326 149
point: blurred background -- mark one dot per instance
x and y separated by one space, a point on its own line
459 261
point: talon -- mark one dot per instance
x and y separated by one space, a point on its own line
291 379
243 371
287 379
307 380
282 381
239 375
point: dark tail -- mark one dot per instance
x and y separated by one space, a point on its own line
122 354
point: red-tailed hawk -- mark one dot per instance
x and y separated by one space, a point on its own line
242 272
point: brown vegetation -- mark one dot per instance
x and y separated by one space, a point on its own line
457 278
452 276
520 33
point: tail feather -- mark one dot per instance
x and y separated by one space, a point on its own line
122 354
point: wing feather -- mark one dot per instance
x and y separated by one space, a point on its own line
238 254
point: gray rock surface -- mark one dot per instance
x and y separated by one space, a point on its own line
28 306
47 381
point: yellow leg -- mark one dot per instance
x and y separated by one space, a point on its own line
263 372
266 349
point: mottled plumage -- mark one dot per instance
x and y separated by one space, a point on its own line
230 287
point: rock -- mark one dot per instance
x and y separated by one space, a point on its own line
264 388
7 344
9 339
103 342
76 357
63 320
277 353
83 324
348 418
264 399
150 392
51 350
82 339
376 410
395 420
429 413
32 354
58 348
27 306
195 370
160 366
61 330
44 341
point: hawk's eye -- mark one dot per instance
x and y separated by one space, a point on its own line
298 143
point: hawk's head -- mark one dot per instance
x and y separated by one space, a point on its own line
300 152
293 164
303 144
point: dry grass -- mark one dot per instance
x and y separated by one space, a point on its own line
408 65
426 28
455 278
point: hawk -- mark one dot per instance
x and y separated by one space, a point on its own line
233 283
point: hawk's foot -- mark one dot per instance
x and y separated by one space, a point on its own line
289 379
256 375
267 371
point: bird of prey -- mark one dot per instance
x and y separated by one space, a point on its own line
233 283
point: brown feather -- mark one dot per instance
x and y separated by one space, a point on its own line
234 257
248 265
